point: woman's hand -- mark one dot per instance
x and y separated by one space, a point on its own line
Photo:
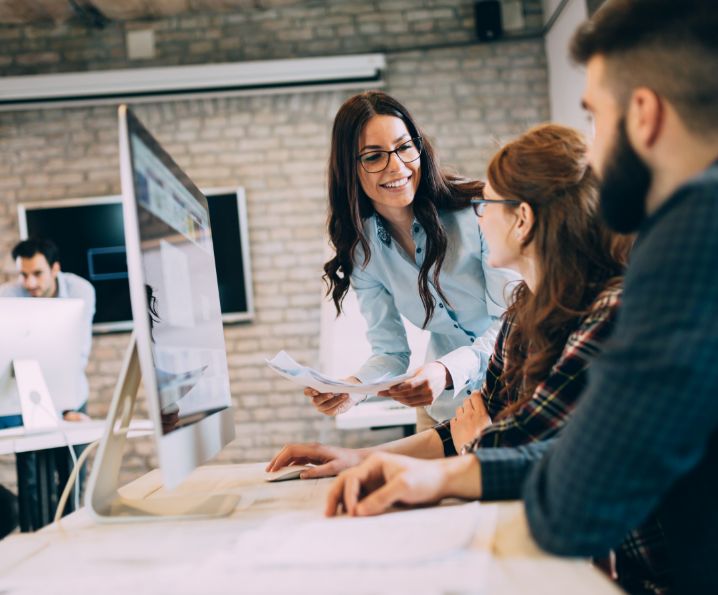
422 388
330 460
385 479
471 419
331 403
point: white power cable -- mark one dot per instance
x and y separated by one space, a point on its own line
79 462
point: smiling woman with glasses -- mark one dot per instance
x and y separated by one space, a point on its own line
407 242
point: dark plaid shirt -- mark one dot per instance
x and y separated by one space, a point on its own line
541 417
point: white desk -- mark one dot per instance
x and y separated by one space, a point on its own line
182 557
50 464
16 440
377 414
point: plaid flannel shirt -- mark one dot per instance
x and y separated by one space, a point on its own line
552 401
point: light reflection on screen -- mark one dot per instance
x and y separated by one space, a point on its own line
181 288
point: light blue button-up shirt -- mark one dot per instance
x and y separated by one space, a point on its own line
463 331
69 286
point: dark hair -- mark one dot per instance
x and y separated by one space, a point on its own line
578 256
670 46
349 205
31 247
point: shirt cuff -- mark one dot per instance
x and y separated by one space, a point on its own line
503 472
464 365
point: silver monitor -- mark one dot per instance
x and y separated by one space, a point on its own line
175 304
50 332
177 346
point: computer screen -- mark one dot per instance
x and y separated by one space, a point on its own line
49 331
175 303
89 233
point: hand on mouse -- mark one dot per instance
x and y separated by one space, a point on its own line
329 460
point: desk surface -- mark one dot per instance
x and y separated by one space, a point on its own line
376 414
205 555
14 440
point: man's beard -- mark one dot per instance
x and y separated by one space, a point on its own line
624 185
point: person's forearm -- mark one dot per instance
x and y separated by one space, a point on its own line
463 478
424 445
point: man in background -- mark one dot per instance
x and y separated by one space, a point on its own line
39 275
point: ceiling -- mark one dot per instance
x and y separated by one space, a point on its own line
100 12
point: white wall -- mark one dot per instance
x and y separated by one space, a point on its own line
343 346
565 80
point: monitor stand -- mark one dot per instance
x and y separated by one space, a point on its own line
106 503
38 410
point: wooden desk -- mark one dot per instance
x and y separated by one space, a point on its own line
183 557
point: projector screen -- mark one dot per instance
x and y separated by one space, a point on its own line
89 233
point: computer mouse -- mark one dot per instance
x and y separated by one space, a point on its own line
286 473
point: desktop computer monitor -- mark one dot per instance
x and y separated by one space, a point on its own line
175 304
50 332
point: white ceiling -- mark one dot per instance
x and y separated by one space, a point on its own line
20 12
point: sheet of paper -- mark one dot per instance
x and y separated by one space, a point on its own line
436 550
410 536
284 365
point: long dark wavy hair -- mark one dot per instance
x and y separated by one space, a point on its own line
578 256
349 205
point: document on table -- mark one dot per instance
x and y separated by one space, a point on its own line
284 365
428 551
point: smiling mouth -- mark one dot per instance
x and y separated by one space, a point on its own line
396 184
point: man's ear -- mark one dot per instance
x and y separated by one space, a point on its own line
55 268
644 118
525 221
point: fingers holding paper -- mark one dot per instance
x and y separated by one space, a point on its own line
422 388
331 403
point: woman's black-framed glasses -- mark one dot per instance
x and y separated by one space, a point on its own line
375 161
479 204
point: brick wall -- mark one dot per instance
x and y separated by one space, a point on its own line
467 99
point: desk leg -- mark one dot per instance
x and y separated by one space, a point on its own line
41 477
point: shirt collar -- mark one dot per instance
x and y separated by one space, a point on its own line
382 228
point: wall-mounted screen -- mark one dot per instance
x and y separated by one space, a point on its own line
90 235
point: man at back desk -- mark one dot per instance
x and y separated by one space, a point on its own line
39 275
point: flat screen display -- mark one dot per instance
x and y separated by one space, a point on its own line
177 288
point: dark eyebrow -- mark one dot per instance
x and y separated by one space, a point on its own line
380 148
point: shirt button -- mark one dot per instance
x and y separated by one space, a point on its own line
456 326
468 392
416 229
441 305
418 250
